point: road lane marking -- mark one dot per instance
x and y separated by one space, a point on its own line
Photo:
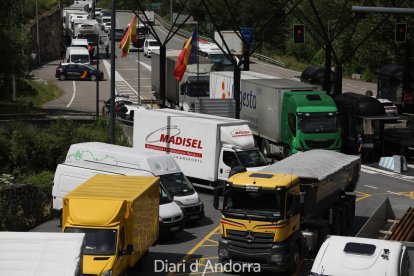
409 194
145 65
393 193
361 196
73 95
372 187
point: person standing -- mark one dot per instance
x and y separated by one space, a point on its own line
359 144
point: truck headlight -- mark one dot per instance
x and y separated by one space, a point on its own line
223 253
107 273
275 258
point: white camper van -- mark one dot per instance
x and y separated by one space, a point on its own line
113 159
77 55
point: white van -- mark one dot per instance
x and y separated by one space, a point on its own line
69 176
134 162
149 46
77 55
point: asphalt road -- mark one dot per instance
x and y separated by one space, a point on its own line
198 242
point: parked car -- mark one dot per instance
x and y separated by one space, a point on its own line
77 71
150 45
390 108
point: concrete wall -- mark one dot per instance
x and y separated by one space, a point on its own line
50 35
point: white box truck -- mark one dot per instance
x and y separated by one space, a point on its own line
286 116
232 40
194 84
45 254
344 256
205 147
93 157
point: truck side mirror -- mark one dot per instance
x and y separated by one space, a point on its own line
218 197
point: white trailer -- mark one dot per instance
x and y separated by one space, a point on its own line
343 256
71 16
232 40
205 147
194 84
46 254
222 82
85 26
150 15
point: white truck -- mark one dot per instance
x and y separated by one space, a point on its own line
233 41
93 157
344 256
71 16
205 147
83 27
194 84
37 253
286 116
150 15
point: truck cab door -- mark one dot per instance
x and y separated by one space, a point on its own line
227 161
122 257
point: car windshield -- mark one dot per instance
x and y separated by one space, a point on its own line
266 202
176 184
165 198
79 58
106 20
97 241
251 158
200 88
318 122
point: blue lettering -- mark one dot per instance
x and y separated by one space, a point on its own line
247 99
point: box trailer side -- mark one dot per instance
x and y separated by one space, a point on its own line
261 105
192 143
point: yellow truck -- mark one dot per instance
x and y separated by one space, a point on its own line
119 216
273 216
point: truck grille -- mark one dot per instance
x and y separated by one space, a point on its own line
322 144
192 210
250 242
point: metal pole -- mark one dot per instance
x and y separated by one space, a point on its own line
112 111
97 79
383 10
171 13
37 33
236 88
139 80
163 59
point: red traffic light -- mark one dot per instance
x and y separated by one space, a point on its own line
298 33
400 32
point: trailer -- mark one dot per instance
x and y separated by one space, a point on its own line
275 215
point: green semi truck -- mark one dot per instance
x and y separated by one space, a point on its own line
286 116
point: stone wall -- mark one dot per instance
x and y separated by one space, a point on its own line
50 35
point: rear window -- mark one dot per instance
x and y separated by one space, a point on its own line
154 43
359 248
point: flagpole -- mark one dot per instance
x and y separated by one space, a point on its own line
112 111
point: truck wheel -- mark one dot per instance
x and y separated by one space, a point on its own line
286 152
295 258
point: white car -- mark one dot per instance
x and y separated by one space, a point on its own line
390 108
149 46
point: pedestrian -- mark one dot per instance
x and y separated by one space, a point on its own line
91 51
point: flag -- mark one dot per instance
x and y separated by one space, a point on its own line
130 36
188 55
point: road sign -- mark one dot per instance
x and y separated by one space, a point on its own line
248 34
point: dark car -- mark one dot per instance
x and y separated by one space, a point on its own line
119 34
77 71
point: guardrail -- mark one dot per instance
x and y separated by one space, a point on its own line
185 34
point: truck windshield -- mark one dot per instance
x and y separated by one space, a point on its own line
251 158
97 241
312 122
165 198
246 203
80 58
176 184
200 88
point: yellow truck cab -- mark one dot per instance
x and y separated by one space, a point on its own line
119 216
260 217
273 216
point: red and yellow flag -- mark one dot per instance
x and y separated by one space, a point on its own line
130 36
187 53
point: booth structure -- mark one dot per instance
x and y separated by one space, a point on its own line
316 75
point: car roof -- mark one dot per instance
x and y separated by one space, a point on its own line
384 100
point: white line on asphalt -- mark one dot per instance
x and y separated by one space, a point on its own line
73 95
372 187
145 65
392 193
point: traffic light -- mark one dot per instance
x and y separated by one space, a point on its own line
298 33
400 32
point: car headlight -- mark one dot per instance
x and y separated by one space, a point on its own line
107 273
275 258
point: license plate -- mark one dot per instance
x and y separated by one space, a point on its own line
175 228
194 217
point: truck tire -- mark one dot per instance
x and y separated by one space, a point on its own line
295 257
264 147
